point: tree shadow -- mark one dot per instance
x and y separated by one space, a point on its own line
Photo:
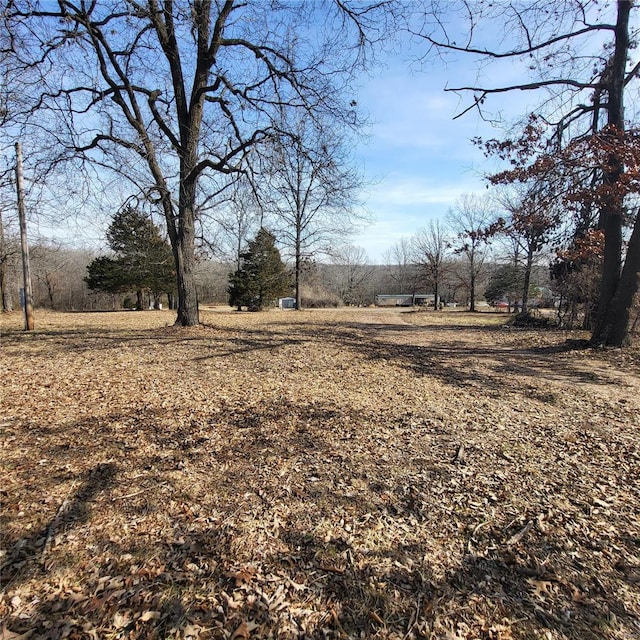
433 351
246 512
299 529
26 554
513 581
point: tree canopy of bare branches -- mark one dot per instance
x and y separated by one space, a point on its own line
177 96
312 191
474 222
432 245
352 274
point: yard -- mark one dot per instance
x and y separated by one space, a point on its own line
365 473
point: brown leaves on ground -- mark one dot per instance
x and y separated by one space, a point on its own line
326 474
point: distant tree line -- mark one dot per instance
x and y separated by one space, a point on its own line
62 279
501 250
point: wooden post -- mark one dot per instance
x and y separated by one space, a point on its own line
26 268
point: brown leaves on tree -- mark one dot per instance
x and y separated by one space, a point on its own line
537 158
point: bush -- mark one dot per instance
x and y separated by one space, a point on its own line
532 319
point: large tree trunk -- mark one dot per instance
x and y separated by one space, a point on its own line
611 216
612 227
298 267
527 281
184 254
615 329
472 293
184 242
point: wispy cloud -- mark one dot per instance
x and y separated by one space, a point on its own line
418 158
402 204
416 191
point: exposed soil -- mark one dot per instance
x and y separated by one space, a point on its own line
319 474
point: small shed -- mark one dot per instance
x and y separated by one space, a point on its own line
286 303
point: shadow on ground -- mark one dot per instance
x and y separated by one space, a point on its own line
304 521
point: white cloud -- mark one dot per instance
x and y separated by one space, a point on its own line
420 159
417 191
402 204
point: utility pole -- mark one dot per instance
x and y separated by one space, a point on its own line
26 268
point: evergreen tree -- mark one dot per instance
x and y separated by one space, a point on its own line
106 274
142 261
262 276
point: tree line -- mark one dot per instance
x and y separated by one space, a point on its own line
137 273
494 249
197 105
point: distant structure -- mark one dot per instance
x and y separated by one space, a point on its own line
404 299
286 303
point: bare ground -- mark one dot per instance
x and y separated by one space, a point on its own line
321 474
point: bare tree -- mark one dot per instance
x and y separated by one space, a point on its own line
533 215
579 56
176 95
350 274
238 221
402 268
50 264
9 244
9 256
472 220
432 245
312 191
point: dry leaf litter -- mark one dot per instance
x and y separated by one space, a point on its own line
319 474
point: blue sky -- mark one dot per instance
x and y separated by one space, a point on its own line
418 159
422 158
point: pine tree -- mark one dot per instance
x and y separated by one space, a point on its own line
142 261
262 276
